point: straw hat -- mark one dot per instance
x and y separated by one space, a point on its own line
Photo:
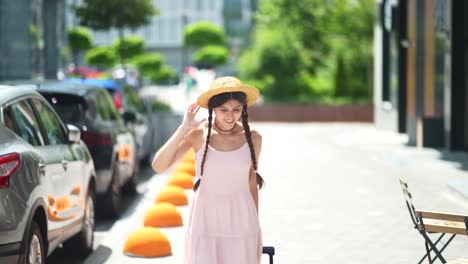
225 85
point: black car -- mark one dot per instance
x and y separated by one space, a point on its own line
47 181
112 144
127 101
142 122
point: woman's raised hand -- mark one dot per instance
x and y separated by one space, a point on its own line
189 118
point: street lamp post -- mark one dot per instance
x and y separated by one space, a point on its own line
184 49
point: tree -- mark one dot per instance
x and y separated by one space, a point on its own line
118 14
148 63
307 19
352 28
204 33
131 46
79 39
340 77
275 63
102 57
294 53
163 74
210 40
210 56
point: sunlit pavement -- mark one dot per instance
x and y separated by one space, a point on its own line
332 196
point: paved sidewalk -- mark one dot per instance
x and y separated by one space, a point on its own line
122 228
332 196
337 197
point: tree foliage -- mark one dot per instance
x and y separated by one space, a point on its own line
131 46
306 19
210 41
102 57
151 66
163 74
79 39
119 14
204 33
211 56
275 64
302 49
341 78
147 63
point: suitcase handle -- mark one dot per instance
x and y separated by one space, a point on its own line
270 251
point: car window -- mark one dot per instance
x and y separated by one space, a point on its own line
94 111
91 111
106 107
27 126
52 126
9 121
70 108
133 100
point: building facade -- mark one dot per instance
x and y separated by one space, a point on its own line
420 85
32 35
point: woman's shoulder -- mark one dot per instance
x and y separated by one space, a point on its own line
255 132
196 135
199 130
256 136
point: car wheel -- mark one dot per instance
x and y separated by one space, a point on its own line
82 243
35 250
112 201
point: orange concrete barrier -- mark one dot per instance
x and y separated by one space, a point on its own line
162 215
185 167
181 179
147 242
172 194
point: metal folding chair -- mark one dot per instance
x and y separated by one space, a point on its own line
417 217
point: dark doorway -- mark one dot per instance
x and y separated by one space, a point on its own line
459 100
402 62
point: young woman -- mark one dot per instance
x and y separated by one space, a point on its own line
223 226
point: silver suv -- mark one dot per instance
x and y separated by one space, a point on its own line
47 181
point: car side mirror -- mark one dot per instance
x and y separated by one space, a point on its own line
74 134
129 116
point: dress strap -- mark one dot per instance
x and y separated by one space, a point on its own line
204 129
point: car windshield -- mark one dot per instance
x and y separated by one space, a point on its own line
131 101
70 108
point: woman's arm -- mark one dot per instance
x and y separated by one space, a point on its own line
257 142
179 143
253 187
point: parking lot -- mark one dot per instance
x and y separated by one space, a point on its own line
332 196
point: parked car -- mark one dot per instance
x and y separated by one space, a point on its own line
128 102
140 118
112 144
47 181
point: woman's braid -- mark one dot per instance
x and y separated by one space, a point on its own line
248 136
210 118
